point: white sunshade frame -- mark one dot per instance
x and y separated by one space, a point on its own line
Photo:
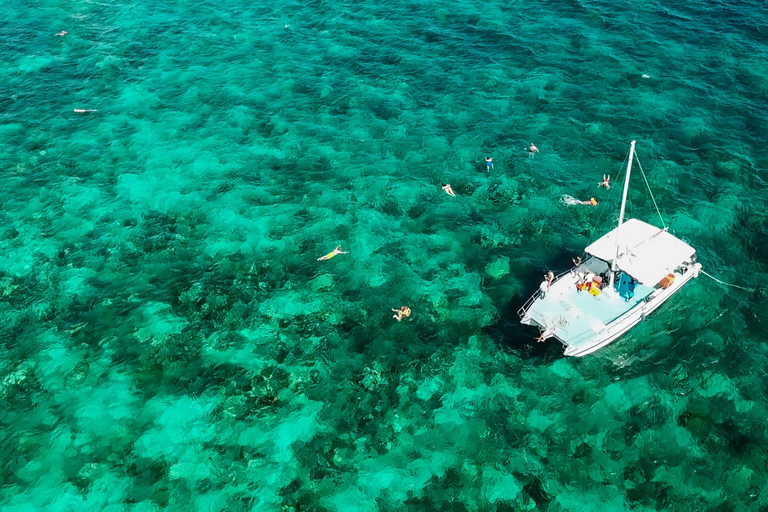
645 252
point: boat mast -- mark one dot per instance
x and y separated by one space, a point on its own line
626 183
623 207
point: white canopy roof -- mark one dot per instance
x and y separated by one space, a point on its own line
646 252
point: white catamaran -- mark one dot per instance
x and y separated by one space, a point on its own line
625 275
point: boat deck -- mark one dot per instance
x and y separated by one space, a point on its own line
572 315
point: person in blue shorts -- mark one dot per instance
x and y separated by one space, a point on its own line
489 163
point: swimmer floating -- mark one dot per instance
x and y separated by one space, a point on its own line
331 254
404 311
572 201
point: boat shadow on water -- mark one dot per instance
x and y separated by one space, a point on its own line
511 335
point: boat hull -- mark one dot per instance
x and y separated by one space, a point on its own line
633 317
584 345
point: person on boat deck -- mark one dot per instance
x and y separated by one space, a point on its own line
576 270
448 189
543 289
488 163
631 289
546 283
606 182
585 280
331 254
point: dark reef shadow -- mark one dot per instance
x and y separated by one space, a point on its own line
508 332
479 165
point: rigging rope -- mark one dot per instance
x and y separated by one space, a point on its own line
603 209
650 192
727 284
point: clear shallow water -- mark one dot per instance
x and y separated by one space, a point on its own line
169 341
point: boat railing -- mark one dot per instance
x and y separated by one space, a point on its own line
525 307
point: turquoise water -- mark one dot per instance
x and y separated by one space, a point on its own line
169 340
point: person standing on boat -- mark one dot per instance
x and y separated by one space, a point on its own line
543 289
576 270
549 277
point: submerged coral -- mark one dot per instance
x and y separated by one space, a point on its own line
170 341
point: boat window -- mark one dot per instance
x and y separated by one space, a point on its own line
596 266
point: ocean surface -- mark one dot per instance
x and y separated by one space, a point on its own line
169 341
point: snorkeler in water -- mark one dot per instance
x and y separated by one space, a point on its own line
606 182
532 149
448 190
488 163
572 201
404 311
331 254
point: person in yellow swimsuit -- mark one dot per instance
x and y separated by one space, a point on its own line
331 254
